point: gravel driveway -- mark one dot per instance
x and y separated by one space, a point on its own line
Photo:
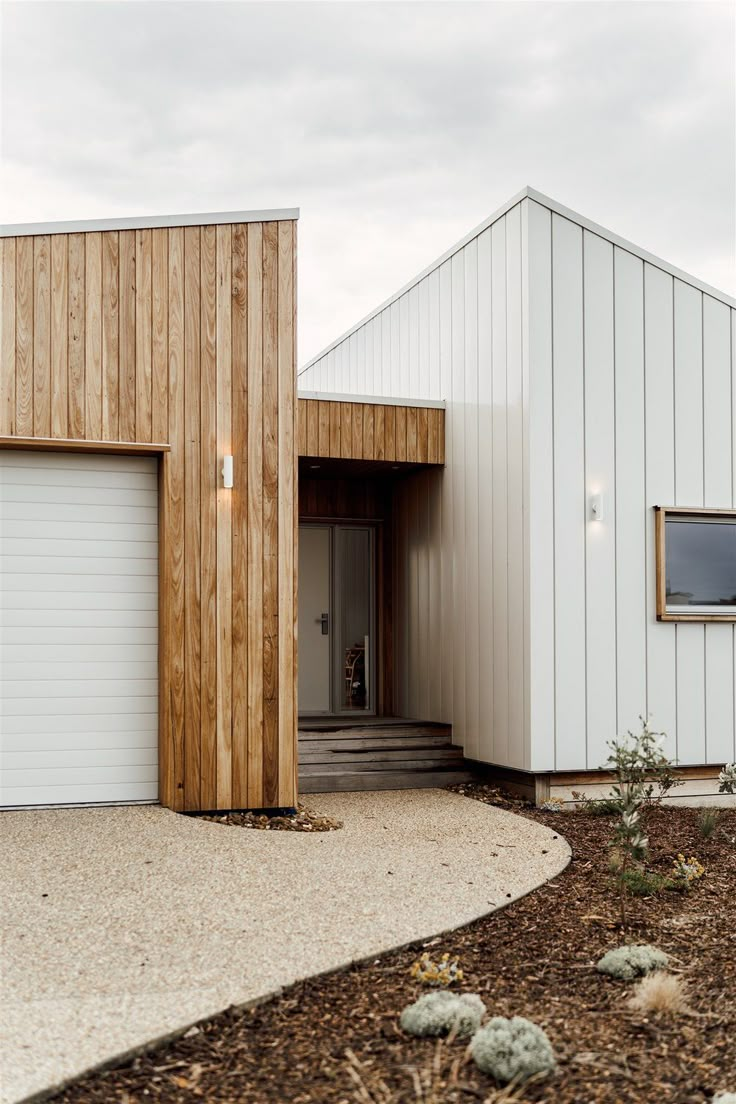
122 925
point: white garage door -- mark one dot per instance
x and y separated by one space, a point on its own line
78 628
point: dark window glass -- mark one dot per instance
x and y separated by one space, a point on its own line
701 561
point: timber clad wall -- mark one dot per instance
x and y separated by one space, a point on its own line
371 431
184 336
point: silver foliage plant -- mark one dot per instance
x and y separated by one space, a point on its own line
724 1098
512 1049
442 1012
727 784
632 961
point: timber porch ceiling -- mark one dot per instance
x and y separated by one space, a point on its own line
368 434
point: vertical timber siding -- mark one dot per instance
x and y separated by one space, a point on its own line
184 336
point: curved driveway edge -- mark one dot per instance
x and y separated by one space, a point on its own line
124 925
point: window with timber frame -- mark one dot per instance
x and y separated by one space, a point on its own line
696 564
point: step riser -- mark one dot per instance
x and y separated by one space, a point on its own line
382 780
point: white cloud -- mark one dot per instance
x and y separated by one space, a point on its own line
395 126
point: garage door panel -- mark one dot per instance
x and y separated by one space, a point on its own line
48 707
50 476
78 628
79 759
27 690
40 495
79 584
79 794
79 775
77 514
78 653
140 597
77 532
59 564
88 730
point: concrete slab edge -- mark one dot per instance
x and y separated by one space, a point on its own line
171 1036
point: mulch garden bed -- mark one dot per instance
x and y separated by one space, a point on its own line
336 1039
303 820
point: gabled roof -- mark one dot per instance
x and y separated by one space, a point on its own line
559 209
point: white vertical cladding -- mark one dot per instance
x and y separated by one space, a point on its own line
541 541
568 419
718 492
649 422
570 366
660 490
600 478
515 443
690 638
631 516
485 486
499 495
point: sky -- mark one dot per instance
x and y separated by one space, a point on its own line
394 127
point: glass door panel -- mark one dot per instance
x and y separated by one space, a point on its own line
354 619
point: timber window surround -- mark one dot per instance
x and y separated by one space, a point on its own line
696 564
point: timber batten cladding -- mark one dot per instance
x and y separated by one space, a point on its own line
182 334
349 429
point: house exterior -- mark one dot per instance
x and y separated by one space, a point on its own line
499 511
586 383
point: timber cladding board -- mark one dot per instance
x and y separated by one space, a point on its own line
181 340
371 431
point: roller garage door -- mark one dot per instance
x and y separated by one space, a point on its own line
78 628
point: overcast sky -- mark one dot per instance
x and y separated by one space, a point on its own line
396 127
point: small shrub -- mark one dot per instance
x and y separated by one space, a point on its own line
686 871
443 973
597 806
632 960
708 822
640 883
510 1050
659 992
727 779
440 1013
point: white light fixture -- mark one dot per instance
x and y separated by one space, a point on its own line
227 472
596 507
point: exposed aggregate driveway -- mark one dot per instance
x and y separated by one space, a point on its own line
122 925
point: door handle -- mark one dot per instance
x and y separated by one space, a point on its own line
324 621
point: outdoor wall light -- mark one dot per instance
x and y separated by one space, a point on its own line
227 472
596 507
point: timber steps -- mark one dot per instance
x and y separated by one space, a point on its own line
382 755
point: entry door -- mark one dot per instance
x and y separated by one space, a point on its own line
336 619
314 618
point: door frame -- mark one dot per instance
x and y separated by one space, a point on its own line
336 669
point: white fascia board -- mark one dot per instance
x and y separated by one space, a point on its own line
147 222
566 212
373 400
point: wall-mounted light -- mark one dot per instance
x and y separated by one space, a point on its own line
596 507
227 472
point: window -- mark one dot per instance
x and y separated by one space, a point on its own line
696 564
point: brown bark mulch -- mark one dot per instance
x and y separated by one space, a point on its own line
336 1039
303 820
